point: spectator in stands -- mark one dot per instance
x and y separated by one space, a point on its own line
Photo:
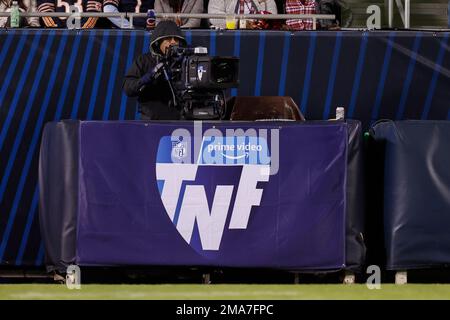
24 6
340 9
62 6
300 7
181 6
134 6
239 7
145 79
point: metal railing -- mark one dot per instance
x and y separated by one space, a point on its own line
131 16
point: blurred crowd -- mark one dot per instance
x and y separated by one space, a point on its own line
151 7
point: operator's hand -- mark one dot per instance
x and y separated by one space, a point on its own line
152 75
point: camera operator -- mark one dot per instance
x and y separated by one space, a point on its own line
146 77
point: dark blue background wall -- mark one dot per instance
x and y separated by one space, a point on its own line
59 74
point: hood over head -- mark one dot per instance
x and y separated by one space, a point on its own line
165 29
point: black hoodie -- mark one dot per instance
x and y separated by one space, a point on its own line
153 98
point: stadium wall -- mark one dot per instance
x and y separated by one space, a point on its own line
47 75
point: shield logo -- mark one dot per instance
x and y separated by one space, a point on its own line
200 73
198 195
179 149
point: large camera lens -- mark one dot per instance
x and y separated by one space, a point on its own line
224 71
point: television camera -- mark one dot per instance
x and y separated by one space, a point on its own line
198 81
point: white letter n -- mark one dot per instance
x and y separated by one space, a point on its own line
195 207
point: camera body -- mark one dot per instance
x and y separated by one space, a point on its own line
199 81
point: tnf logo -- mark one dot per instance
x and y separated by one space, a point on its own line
184 192
194 204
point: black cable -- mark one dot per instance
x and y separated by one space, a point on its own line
166 75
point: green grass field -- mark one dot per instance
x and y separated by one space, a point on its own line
226 292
